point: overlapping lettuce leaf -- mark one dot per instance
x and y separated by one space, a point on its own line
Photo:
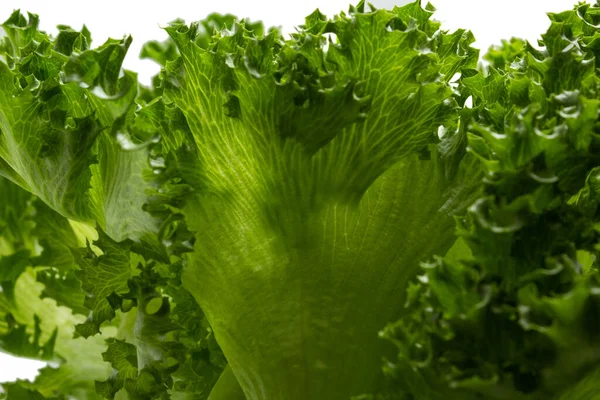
34 323
274 198
512 312
63 116
76 244
314 178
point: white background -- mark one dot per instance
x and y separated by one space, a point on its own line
490 20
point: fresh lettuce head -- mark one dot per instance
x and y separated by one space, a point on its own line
255 224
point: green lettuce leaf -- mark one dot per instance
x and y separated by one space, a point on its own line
246 226
511 311
63 117
314 180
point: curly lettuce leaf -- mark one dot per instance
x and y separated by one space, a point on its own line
313 177
63 116
42 330
512 312
32 323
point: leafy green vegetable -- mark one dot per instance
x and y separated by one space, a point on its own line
254 223
513 312
309 168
